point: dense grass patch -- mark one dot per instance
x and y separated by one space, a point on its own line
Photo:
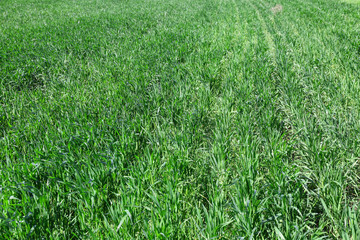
178 119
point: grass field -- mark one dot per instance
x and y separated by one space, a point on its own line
179 119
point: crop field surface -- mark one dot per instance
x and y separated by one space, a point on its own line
179 119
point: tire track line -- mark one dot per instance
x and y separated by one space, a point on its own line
245 36
268 37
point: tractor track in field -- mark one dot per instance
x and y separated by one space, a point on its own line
245 35
267 34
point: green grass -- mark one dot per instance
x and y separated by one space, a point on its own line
179 119
352 1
